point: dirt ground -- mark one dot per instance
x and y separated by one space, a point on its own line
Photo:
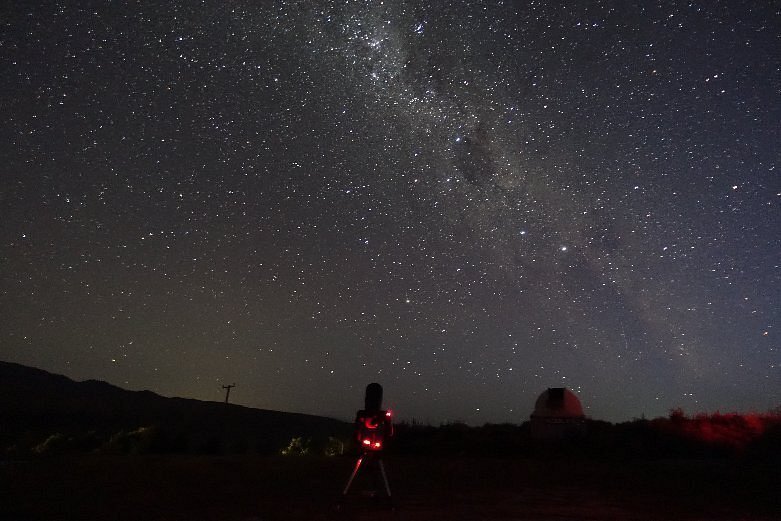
257 488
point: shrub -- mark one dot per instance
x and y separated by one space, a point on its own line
139 441
298 446
57 443
334 447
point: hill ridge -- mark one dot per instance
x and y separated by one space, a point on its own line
35 403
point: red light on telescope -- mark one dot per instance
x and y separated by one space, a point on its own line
372 445
388 414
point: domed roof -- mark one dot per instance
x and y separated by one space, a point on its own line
558 402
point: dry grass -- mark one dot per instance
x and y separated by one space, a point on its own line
244 488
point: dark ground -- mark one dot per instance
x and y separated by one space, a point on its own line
258 488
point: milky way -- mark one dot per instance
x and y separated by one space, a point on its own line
465 203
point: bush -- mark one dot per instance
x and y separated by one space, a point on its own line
139 441
59 443
298 446
55 444
334 447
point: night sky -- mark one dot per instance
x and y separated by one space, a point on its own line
467 202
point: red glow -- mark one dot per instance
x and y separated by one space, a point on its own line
367 442
730 430
388 414
377 444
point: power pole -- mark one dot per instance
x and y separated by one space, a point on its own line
228 391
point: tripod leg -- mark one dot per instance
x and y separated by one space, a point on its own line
384 478
352 476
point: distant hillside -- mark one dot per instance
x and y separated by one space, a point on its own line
35 404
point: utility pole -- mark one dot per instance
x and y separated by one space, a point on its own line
228 391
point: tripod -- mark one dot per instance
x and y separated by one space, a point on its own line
370 456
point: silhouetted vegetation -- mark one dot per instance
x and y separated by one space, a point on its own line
48 415
715 435
677 436
298 446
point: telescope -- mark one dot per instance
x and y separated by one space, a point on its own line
373 426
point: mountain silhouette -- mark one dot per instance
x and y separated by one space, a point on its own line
35 403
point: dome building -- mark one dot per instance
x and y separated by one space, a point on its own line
557 414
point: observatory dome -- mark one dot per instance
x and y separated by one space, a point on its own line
557 415
557 402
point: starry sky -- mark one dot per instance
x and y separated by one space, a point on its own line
467 202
